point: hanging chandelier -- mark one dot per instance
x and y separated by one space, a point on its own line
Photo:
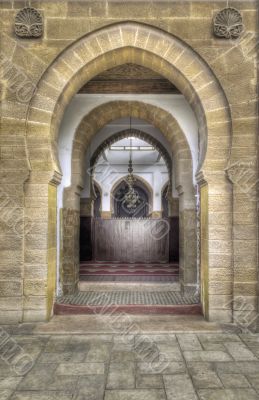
131 198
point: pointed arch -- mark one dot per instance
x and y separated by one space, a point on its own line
172 58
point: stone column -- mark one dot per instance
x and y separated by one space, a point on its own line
187 240
86 207
243 175
69 234
14 225
216 257
173 206
40 260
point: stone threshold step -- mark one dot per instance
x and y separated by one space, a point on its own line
86 286
128 301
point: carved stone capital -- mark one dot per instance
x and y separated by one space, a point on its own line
86 207
200 178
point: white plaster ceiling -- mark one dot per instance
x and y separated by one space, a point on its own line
119 153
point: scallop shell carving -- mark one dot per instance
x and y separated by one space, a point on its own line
228 23
28 23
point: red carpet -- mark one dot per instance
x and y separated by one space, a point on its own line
70 309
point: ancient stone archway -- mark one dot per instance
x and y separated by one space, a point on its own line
158 117
183 172
172 58
118 44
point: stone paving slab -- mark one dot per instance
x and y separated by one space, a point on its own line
5 394
46 395
234 380
149 381
206 379
189 366
121 376
135 395
179 387
228 394
207 356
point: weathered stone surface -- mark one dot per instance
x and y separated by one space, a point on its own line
149 382
239 352
121 376
228 78
60 372
41 378
80 369
67 28
189 342
158 368
99 352
207 356
234 381
34 287
11 317
151 394
10 288
227 394
179 387
206 380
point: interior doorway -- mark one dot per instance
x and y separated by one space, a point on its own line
137 196
134 257
128 180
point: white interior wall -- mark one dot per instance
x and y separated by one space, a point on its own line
82 104
155 175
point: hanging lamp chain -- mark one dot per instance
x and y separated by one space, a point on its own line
131 197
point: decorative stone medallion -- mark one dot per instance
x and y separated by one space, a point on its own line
243 174
228 23
28 23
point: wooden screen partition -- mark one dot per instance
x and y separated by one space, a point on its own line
174 239
131 240
86 244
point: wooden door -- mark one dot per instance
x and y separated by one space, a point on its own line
131 240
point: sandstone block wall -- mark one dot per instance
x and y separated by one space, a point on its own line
79 42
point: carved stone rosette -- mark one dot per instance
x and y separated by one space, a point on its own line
243 174
28 23
228 23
